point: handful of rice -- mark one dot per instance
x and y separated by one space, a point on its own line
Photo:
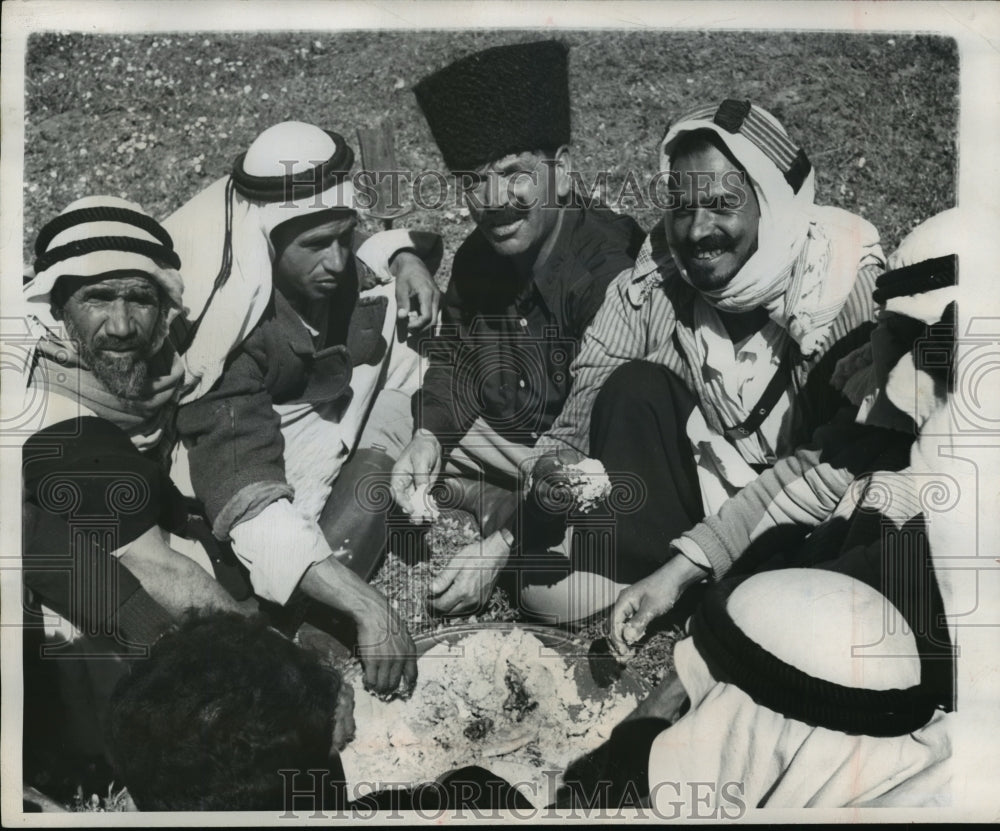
423 506
589 483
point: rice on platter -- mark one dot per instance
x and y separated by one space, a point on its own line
499 699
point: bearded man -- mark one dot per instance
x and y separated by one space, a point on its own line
98 502
105 291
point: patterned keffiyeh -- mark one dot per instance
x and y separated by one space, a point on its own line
804 268
807 256
59 370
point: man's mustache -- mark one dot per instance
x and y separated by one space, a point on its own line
138 345
495 217
709 244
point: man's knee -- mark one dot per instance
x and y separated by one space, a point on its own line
634 384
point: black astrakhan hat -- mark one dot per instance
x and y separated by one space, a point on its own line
503 100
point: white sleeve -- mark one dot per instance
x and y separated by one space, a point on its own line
376 251
278 546
690 549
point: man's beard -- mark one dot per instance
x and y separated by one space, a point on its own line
124 376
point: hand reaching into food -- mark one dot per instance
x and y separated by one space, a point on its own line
467 582
641 603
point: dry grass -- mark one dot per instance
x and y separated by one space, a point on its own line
158 117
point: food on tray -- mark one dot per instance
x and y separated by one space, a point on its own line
499 699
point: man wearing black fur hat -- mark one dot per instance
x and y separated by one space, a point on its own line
524 287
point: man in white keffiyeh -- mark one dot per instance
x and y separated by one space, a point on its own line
710 360
898 379
293 357
840 674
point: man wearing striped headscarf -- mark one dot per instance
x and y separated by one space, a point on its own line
711 359
98 504
103 384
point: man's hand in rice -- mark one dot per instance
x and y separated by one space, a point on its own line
641 603
466 583
388 656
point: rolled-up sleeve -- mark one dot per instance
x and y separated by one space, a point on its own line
278 546
235 447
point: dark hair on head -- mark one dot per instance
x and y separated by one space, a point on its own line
697 139
284 233
221 704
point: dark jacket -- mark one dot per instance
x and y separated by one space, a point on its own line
233 433
505 348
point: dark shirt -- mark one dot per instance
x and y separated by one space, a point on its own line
505 346
87 492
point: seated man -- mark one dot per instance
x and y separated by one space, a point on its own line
825 686
786 713
287 446
785 667
98 503
226 714
222 705
524 287
712 358
104 293
899 379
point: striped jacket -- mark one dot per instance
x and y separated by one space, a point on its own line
810 480
656 326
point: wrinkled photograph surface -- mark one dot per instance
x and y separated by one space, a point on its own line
472 413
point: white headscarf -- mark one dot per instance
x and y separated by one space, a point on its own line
784 211
906 389
832 627
199 231
100 226
102 260
808 256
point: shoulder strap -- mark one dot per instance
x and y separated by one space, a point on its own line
768 399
